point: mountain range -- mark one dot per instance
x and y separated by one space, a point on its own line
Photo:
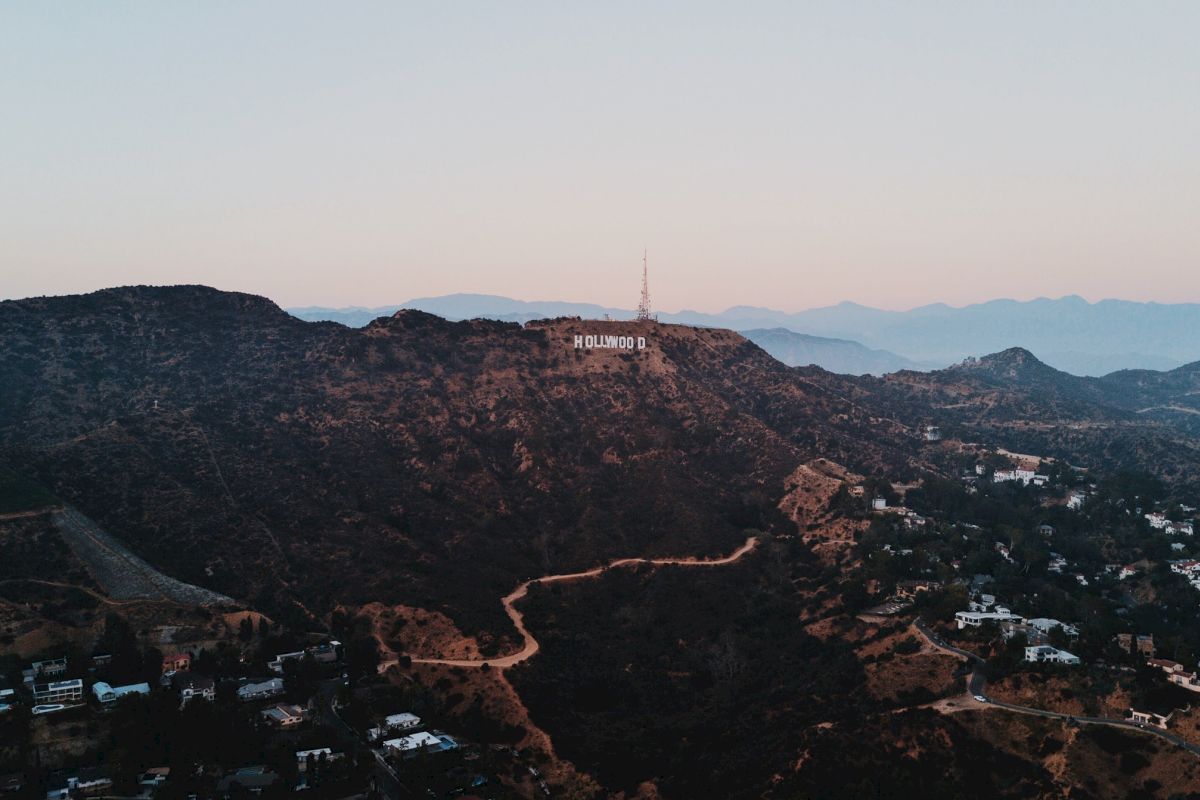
1068 333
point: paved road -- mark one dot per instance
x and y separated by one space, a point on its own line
530 644
977 685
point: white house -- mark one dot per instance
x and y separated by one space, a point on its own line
414 741
973 619
1046 653
395 722
317 754
1045 625
58 692
1076 500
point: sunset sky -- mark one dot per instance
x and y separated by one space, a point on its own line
780 154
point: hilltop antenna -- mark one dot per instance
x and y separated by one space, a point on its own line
643 312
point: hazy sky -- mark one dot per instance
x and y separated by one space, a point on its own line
787 154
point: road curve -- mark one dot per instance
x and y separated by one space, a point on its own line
530 646
977 683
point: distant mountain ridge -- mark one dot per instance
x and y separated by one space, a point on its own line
1068 333
836 355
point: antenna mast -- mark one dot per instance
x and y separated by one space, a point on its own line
643 311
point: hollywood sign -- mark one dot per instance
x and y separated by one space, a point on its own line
589 342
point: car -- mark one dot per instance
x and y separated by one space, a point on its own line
980 698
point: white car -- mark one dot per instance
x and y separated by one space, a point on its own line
48 708
980 698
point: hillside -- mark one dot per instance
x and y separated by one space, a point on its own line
299 466
1137 420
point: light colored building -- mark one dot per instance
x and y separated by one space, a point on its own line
413 742
1045 625
1150 718
1044 653
393 723
191 686
973 619
107 695
260 691
284 716
58 692
316 754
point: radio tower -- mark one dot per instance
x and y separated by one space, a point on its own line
643 312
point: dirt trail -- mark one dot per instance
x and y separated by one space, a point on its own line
531 646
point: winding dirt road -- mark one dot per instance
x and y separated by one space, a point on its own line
530 646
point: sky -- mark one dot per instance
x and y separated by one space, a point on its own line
783 154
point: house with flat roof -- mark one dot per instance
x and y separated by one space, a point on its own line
284 715
1044 653
58 692
414 742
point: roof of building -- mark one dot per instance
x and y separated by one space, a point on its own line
413 741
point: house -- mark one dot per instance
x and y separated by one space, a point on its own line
179 662
84 781
261 690
973 619
284 716
58 692
1076 500
1127 571
413 742
1185 680
1044 653
879 504
1150 718
101 660
1166 665
1045 625
1158 520
190 686
107 695
1033 636
395 722
326 653
933 433
910 589
321 753
50 668
247 779
1045 530
276 664
1145 645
